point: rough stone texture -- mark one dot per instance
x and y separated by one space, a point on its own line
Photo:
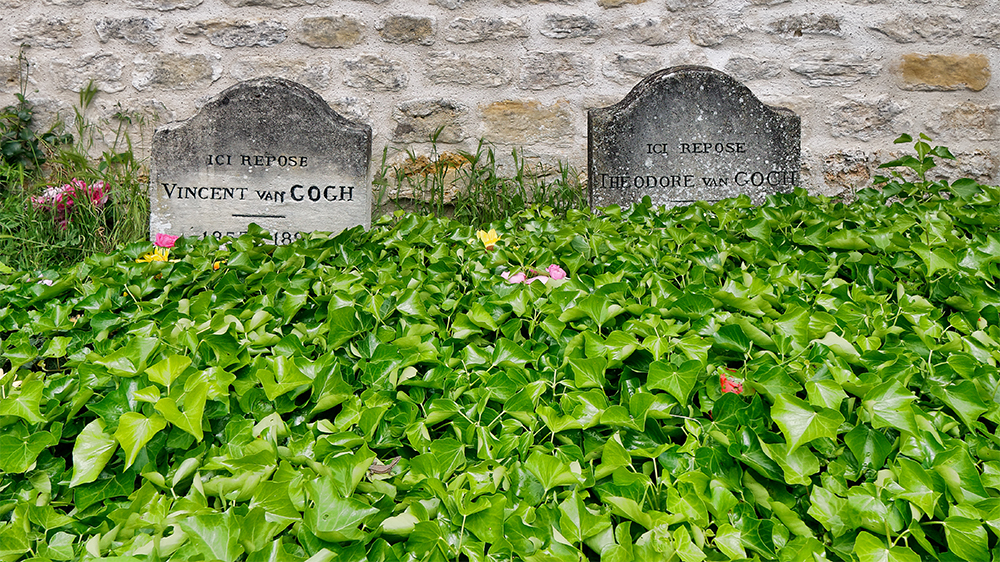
807 24
865 119
466 30
467 70
10 75
980 165
944 72
73 3
164 5
174 71
232 33
691 133
559 26
11 4
105 69
315 75
276 3
541 70
330 32
746 68
270 152
848 171
418 120
520 3
713 31
684 5
522 122
136 30
833 69
986 32
968 120
450 4
375 72
910 28
653 31
630 68
50 33
405 28
617 3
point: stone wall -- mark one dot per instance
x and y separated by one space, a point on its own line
522 73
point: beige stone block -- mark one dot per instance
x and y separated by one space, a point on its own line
175 71
406 28
561 26
652 31
105 69
475 30
944 72
807 24
541 70
630 68
164 5
234 33
375 72
47 32
527 121
968 120
487 71
866 118
315 75
418 120
617 3
911 28
330 32
747 68
827 68
136 30
848 171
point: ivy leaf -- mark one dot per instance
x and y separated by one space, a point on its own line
800 423
678 381
134 431
215 536
25 403
966 538
332 517
870 548
194 408
91 453
19 448
168 369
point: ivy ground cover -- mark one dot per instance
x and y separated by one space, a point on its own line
799 381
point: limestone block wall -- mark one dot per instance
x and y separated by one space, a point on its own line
522 73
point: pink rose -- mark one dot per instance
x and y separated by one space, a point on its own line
556 272
165 240
541 278
516 278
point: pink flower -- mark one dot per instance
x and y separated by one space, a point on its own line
541 278
165 240
556 272
516 278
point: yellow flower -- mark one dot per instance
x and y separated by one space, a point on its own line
489 239
158 254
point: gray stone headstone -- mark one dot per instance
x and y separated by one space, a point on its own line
266 151
690 133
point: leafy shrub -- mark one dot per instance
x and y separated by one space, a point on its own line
793 381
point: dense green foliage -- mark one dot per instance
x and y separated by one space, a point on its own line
175 411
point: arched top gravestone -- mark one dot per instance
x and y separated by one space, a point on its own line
690 133
266 151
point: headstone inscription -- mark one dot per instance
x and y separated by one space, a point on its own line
690 133
266 151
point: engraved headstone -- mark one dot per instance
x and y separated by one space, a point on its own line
690 133
266 151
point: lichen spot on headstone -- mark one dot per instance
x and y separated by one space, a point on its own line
266 151
690 133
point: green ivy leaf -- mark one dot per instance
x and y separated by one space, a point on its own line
91 453
134 431
800 423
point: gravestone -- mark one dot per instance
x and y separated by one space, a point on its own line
266 151
690 133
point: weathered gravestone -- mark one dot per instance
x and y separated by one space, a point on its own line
269 152
690 133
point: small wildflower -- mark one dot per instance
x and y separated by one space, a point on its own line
158 254
489 239
165 240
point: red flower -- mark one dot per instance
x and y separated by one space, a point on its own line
730 385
